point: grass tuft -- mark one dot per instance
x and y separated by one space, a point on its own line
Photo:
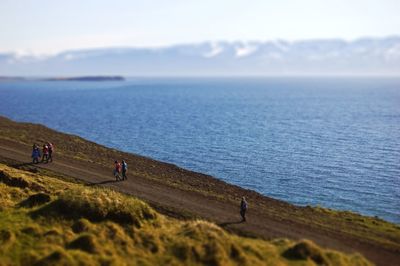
12 181
200 230
82 225
32 230
35 200
6 237
306 250
99 204
59 257
85 242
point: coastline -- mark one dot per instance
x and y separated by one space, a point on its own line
69 78
185 194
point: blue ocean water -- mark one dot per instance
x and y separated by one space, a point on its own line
309 141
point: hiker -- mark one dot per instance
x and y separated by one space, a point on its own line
51 149
117 171
243 209
45 153
124 169
35 154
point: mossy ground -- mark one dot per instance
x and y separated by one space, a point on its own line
82 225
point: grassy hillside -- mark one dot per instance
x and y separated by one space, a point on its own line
45 220
371 230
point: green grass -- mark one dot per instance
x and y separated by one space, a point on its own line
81 225
370 229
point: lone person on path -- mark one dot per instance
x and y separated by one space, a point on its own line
243 209
35 154
124 169
117 171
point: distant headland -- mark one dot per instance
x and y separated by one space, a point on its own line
77 78
87 78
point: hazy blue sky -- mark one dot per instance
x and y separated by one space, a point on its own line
48 26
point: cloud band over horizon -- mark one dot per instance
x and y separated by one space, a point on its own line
49 27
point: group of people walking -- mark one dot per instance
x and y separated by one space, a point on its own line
45 156
120 170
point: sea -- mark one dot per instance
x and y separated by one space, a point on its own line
329 142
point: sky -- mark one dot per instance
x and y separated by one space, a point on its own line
51 26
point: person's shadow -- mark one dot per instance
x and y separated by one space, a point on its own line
224 224
102 183
18 165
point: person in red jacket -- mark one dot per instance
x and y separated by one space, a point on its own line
117 171
51 149
45 153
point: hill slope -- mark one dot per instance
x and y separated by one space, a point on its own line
46 221
184 194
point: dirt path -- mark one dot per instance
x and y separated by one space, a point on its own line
175 201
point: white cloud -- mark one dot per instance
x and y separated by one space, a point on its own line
245 50
216 49
281 45
71 57
274 55
393 53
27 56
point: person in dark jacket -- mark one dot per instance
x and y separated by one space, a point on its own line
35 154
243 209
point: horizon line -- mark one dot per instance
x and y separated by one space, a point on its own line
130 77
